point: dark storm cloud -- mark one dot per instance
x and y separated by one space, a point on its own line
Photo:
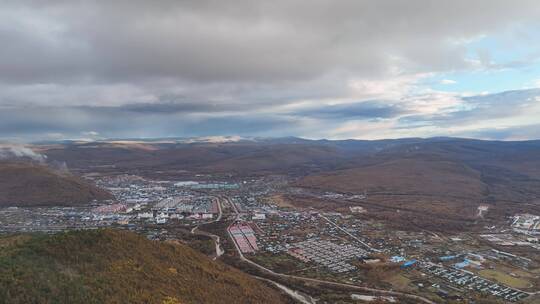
173 107
164 108
509 98
38 123
357 110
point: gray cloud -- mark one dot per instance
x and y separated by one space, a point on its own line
356 110
164 119
478 108
173 107
185 68
37 123
239 41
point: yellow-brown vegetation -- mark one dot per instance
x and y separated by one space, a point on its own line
110 266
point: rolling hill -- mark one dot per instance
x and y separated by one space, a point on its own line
445 178
404 176
439 183
493 170
242 158
30 184
112 266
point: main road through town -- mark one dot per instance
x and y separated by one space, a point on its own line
196 230
306 279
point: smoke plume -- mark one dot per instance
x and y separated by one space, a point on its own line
8 151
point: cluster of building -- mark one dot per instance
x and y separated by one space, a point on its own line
343 196
464 278
333 256
526 223
137 201
244 237
113 208
253 204
133 189
278 230
357 209
53 219
187 207
507 257
507 239
207 186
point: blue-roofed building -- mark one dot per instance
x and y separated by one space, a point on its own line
448 257
463 264
409 263
397 259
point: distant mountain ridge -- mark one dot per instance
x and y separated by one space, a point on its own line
257 155
450 177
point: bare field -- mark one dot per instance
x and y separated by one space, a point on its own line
505 278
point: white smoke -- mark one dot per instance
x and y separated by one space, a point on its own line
60 167
18 151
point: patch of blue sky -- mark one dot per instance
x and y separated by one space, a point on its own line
478 82
498 64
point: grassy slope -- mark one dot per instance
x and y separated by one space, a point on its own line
431 194
202 158
25 184
439 187
108 266
404 176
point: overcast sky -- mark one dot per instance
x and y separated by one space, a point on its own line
317 69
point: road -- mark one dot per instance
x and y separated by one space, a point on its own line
281 275
220 212
219 250
350 234
292 293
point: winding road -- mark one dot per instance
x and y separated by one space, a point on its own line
281 275
194 230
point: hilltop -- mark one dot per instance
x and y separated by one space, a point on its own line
111 266
439 183
441 167
31 184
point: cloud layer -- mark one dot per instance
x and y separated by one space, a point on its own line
187 68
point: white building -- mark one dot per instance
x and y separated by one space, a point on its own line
145 215
258 216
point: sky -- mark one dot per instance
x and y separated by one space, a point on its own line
310 68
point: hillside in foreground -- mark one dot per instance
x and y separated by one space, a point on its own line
111 266
28 184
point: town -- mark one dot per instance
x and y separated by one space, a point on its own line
345 247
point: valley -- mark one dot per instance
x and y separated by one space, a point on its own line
363 222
